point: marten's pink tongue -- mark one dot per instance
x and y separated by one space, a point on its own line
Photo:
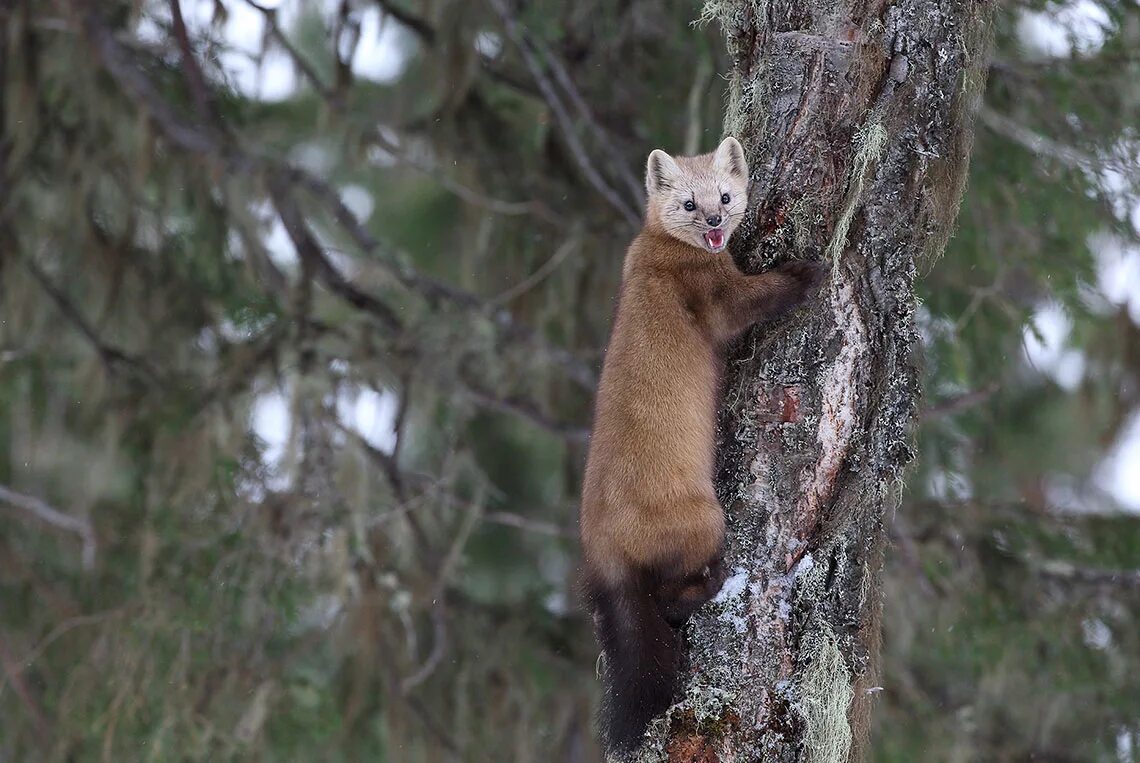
714 238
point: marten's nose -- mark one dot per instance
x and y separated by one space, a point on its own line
713 221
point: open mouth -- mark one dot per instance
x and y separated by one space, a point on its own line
714 239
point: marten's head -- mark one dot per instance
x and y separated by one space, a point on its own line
698 199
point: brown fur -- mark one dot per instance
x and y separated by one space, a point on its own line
651 525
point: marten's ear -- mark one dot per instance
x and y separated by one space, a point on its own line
729 158
660 172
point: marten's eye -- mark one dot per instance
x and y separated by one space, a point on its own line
690 206
725 198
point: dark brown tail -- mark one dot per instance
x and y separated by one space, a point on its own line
643 660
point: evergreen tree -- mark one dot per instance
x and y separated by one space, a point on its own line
302 305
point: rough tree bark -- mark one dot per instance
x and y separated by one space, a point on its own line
858 117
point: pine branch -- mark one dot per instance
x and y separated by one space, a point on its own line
192 136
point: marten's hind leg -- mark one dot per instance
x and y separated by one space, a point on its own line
679 554
679 598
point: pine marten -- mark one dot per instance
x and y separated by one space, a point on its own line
651 526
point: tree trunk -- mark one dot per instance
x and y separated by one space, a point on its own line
857 117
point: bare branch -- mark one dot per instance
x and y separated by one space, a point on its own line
310 252
510 519
41 511
111 356
54 634
523 409
1069 572
191 71
562 116
24 692
957 404
397 480
299 60
472 196
1068 156
438 648
538 276
401 418
419 26
439 596
617 160
386 463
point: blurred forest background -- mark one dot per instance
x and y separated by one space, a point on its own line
301 307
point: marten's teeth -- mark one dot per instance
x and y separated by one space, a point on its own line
714 238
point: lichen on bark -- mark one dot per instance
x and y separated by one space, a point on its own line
857 119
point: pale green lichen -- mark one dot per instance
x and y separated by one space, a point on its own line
705 710
742 94
713 10
730 14
824 697
709 705
805 218
869 141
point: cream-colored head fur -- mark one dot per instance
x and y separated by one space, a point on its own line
698 199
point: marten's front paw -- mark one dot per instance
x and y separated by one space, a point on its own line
806 274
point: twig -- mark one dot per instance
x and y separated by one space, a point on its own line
470 195
617 159
55 633
429 288
386 463
523 409
190 69
401 418
299 60
420 27
397 480
24 692
310 252
1068 571
439 597
108 354
438 648
40 510
535 278
510 519
953 405
565 123
513 80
